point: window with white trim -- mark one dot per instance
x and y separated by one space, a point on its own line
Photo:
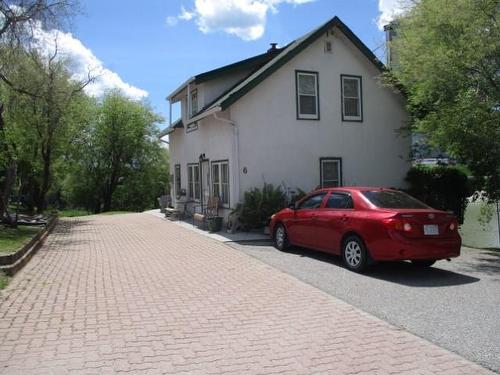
220 181
352 106
307 95
331 172
194 191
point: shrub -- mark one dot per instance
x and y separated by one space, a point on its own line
442 187
259 205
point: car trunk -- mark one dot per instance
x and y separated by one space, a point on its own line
423 223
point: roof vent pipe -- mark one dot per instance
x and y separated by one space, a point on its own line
273 47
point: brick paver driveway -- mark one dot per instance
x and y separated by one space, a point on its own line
134 293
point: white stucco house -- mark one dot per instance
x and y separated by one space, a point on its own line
310 114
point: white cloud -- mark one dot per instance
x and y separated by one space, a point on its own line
244 18
172 21
389 9
186 15
83 60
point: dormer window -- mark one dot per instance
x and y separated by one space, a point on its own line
194 103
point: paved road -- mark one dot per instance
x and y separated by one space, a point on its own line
137 294
454 304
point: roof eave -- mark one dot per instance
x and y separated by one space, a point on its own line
204 114
179 89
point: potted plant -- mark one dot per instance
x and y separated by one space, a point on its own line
214 224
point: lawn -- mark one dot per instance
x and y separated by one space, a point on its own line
4 280
12 239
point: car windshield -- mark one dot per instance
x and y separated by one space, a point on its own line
393 199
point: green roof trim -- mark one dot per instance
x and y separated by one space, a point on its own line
292 50
176 125
248 64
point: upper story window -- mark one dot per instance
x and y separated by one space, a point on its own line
194 103
352 105
307 95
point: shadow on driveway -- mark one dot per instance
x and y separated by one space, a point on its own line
403 273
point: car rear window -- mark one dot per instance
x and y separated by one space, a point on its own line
393 199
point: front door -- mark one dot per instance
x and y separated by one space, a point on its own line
205 183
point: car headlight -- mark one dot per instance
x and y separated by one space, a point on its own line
273 216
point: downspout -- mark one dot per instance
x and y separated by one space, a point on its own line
236 140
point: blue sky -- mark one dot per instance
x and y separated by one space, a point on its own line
149 48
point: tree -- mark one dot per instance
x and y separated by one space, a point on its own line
448 55
41 117
117 160
17 21
449 64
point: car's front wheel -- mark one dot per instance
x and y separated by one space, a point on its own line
354 254
281 238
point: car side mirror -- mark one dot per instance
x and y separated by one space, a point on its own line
293 206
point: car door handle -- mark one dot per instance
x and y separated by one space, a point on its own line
344 218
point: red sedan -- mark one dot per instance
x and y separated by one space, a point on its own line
365 224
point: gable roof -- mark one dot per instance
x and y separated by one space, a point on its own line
248 64
251 64
286 54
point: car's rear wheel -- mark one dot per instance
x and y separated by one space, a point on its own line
423 263
281 238
354 254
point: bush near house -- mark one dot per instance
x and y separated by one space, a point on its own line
441 187
259 205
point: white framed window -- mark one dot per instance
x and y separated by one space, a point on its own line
352 98
194 190
220 181
307 95
330 172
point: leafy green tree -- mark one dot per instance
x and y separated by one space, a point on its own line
17 21
41 118
118 162
448 61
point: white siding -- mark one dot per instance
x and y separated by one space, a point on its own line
275 147
213 138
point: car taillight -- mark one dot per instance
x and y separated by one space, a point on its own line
453 225
398 224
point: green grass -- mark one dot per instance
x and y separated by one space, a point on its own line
4 280
73 213
13 239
